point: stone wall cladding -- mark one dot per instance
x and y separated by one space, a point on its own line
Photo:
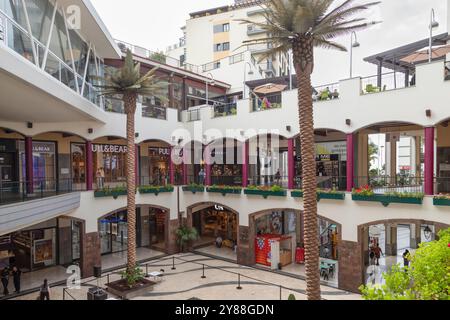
350 266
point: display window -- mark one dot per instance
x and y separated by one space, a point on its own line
109 163
225 170
44 164
78 156
159 165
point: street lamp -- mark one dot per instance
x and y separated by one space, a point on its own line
355 44
250 73
433 24
212 83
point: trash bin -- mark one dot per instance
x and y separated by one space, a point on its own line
96 294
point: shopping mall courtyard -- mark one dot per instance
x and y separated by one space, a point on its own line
220 282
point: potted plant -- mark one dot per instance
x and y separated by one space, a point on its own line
185 236
111 192
367 194
442 200
194 188
265 191
331 194
133 284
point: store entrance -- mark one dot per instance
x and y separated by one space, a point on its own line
217 228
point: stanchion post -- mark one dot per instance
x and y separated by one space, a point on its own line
239 282
146 271
173 263
203 276
281 288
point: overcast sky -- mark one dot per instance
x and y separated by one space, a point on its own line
156 25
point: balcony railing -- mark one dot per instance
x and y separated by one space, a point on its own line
266 103
225 110
397 183
269 180
389 81
18 39
326 92
211 66
193 115
330 182
21 191
236 58
442 185
155 112
114 104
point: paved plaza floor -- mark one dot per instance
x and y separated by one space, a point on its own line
221 283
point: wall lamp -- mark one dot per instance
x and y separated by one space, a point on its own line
90 131
288 128
428 113
348 122
30 125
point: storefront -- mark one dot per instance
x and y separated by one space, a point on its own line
216 223
272 162
110 160
78 158
159 165
44 164
225 170
8 166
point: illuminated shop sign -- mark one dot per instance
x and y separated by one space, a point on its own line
154 151
109 148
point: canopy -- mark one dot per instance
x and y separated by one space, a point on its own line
423 55
270 88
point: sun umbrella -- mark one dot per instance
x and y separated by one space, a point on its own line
270 88
423 55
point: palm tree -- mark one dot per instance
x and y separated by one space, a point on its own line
301 25
128 82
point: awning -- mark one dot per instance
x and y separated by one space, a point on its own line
423 55
270 88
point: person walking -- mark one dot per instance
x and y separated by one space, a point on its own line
406 258
378 252
98 175
17 273
201 176
44 291
5 280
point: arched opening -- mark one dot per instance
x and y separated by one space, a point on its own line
268 160
277 243
389 157
152 233
385 243
217 226
109 162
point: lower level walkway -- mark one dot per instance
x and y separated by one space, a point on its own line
220 283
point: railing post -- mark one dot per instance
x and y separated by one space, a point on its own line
89 166
281 297
239 282
173 264
429 161
203 275
350 161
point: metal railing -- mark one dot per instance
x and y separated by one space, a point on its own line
21 191
326 92
264 103
338 183
193 115
114 104
269 180
442 185
226 180
386 184
211 66
155 112
225 110
389 81
236 58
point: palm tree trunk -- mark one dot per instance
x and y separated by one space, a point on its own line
130 109
304 64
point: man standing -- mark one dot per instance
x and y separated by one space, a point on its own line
5 280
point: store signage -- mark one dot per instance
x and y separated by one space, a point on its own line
332 148
159 151
327 157
43 147
219 208
109 148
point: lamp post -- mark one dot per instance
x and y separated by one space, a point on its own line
433 24
212 83
354 44
250 73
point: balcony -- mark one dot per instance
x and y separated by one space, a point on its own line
264 103
225 110
386 82
326 92
254 30
153 111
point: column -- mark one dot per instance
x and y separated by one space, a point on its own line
208 166
429 161
89 166
171 168
350 161
90 253
393 161
415 235
136 165
391 240
291 164
29 164
245 163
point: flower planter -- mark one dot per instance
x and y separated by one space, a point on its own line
386 200
224 192
114 194
329 196
194 190
122 290
441 202
156 191
265 193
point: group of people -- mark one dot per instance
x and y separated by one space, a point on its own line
16 273
100 175
5 275
376 253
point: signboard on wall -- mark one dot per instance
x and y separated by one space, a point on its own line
155 151
109 148
332 148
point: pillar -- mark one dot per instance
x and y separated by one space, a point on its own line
350 161
351 269
245 162
89 166
136 165
90 253
208 166
429 161
391 240
29 164
291 164
171 168
415 237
